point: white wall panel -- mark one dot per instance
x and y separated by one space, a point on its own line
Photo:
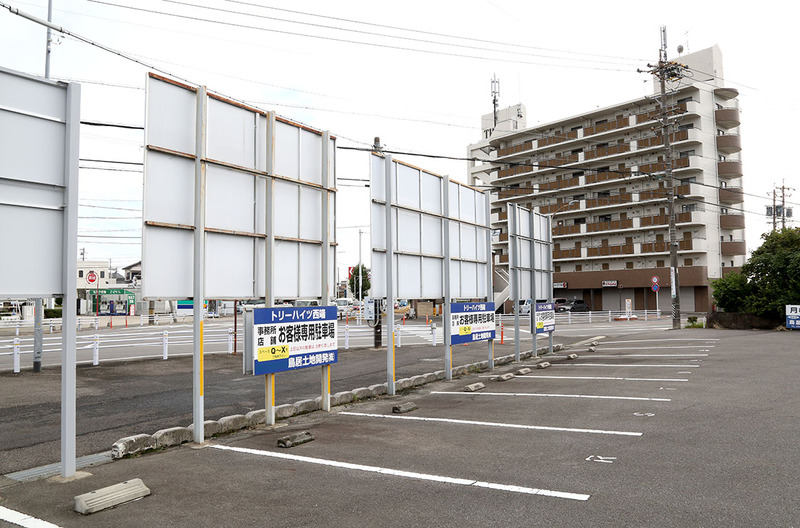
431 193
409 277
377 186
408 233
231 134
287 150
229 266
467 199
32 251
310 157
231 199
26 148
171 116
408 190
169 189
310 208
432 236
469 247
287 216
378 226
168 255
432 278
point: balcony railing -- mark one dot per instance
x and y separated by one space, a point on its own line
559 184
663 246
606 151
731 195
736 247
731 221
620 198
516 191
604 251
612 225
680 163
655 114
605 127
574 253
574 229
729 169
657 141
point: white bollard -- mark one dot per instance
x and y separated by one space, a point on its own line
16 355
166 341
590 317
399 336
433 334
230 340
96 351
79 324
96 323
347 337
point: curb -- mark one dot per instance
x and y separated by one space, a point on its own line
175 436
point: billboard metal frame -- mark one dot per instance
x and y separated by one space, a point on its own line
39 176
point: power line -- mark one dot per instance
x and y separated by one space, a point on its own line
345 41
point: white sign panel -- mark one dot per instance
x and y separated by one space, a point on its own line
530 241
419 223
269 190
39 130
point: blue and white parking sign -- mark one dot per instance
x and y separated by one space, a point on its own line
293 338
793 316
470 322
545 317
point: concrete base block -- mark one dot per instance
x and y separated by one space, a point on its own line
286 410
362 393
523 371
416 381
130 445
342 398
474 387
307 406
172 437
440 375
404 407
505 377
572 356
228 424
99 500
256 417
430 377
543 365
402 384
210 428
378 390
295 439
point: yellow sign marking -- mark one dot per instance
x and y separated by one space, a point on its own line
464 330
273 352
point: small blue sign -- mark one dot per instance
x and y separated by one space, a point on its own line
793 316
290 338
654 287
471 322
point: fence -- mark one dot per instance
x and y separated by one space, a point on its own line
26 326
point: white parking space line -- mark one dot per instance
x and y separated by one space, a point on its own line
705 340
605 356
546 395
622 365
492 424
408 474
25 520
607 378
604 347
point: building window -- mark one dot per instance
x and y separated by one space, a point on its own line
579 221
721 157
686 154
604 218
685 100
629 265
557 269
102 274
80 274
731 263
687 262
601 122
687 126
720 132
659 263
723 210
605 266
578 267
688 208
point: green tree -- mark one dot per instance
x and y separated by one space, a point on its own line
769 280
365 284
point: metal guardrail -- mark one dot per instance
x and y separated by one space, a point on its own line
94 322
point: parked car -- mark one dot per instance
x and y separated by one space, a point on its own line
578 305
344 306
559 302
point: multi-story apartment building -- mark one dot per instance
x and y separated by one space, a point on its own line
601 175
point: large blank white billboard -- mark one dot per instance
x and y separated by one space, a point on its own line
39 131
268 182
530 238
419 252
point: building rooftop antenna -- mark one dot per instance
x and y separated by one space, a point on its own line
495 96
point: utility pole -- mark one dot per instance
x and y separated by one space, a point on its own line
669 70
779 210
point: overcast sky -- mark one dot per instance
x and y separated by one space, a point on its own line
396 70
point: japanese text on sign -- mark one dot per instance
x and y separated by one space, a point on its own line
470 322
545 317
292 338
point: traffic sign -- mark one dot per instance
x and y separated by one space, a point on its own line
654 287
654 279
91 277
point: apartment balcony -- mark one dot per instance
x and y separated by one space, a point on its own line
662 220
729 169
600 177
567 230
726 93
679 163
621 198
727 117
606 151
658 140
656 114
613 225
731 195
559 207
559 184
730 249
514 193
729 143
663 246
607 251
574 253
731 221
605 127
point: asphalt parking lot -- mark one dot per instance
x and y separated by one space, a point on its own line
678 428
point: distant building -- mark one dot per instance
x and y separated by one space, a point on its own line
600 174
